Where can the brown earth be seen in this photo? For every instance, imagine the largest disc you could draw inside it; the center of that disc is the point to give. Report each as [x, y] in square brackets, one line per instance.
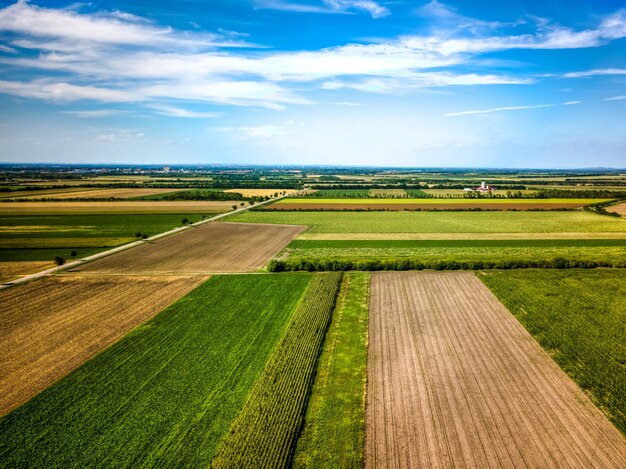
[455, 381]
[94, 193]
[123, 207]
[51, 326]
[12, 270]
[621, 209]
[208, 248]
[424, 206]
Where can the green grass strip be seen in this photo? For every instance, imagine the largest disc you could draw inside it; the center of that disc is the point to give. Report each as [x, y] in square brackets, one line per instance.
[334, 428]
[166, 394]
[408, 243]
[579, 317]
[264, 433]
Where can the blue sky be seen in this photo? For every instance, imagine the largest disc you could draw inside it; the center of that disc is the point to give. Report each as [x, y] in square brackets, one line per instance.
[352, 82]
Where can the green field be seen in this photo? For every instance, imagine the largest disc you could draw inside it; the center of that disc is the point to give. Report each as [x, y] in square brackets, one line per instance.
[388, 199]
[42, 237]
[166, 394]
[265, 432]
[579, 317]
[441, 222]
[336, 193]
[334, 427]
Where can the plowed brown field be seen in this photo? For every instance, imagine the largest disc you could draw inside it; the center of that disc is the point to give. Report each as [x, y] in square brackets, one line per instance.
[455, 381]
[621, 209]
[212, 247]
[51, 326]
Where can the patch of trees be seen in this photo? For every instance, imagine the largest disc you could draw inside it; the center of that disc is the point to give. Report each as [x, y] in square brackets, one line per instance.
[579, 194]
[320, 265]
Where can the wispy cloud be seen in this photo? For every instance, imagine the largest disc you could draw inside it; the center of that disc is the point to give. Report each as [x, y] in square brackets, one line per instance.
[615, 98]
[172, 111]
[65, 92]
[96, 113]
[570, 103]
[347, 103]
[596, 72]
[496, 109]
[326, 6]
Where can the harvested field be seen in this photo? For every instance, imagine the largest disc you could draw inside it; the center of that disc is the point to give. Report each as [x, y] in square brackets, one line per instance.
[427, 206]
[212, 247]
[100, 193]
[12, 270]
[74, 208]
[260, 192]
[456, 236]
[621, 209]
[455, 380]
[51, 326]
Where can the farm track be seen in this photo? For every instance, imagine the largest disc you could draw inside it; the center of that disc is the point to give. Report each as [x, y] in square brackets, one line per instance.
[208, 248]
[455, 380]
[50, 327]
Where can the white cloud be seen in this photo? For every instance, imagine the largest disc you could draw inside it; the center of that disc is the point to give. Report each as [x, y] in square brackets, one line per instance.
[7, 49]
[326, 6]
[64, 92]
[596, 72]
[172, 111]
[120, 136]
[101, 28]
[347, 103]
[95, 113]
[570, 103]
[615, 98]
[496, 109]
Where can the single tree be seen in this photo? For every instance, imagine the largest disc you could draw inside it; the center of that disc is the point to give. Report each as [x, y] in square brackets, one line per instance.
[58, 260]
[185, 221]
[73, 253]
[144, 236]
[234, 207]
[138, 234]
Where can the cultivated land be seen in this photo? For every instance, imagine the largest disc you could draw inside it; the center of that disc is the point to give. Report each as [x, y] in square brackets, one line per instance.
[29, 237]
[334, 427]
[442, 222]
[121, 207]
[12, 270]
[455, 380]
[166, 394]
[621, 209]
[51, 326]
[95, 193]
[579, 317]
[265, 432]
[428, 204]
[260, 192]
[211, 247]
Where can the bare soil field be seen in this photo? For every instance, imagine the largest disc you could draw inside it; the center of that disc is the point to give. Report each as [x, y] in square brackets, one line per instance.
[50, 327]
[99, 193]
[455, 381]
[209, 248]
[621, 209]
[125, 207]
[425, 206]
[12, 270]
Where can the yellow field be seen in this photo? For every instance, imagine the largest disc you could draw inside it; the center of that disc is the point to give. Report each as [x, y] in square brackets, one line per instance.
[260, 192]
[13, 270]
[95, 193]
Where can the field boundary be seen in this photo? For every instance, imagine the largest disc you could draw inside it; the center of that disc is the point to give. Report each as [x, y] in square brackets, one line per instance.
[125, 247]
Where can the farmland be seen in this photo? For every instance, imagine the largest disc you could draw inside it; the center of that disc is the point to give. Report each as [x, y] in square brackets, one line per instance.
[39, 237]
[390, 203]
[260, 192]
[211, 247]
[579, 317]
[442, 222]
[92, 193]
[619, 209]
[50, 327]
[265, 432]
[120, 207]
[480, 395]
[334, 426]
[166, 393]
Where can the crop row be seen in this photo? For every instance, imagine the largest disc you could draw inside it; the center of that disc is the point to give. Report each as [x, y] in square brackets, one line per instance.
[265, 432]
